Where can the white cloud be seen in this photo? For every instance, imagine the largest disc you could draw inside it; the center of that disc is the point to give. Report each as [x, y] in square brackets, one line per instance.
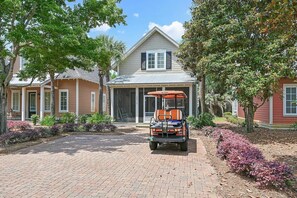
[121, 31]
[102, 28]
[174, 30]
[136, 15]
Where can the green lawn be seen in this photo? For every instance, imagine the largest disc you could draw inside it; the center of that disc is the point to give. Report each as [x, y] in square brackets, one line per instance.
[219, 119]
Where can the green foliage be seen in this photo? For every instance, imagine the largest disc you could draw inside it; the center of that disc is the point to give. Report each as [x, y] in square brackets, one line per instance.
[82, 119]
[225, 40]
[227, 114]
[68, 117]
[51, 36]
[294, 126]
[97, 118]
[48, 121]
[204, 119]
[34, 119]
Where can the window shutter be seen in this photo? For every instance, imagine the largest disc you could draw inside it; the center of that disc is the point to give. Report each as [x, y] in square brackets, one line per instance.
[143, 61]
[168, 60]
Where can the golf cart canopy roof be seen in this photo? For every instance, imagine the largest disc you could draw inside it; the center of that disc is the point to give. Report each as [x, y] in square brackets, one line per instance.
[168, 94]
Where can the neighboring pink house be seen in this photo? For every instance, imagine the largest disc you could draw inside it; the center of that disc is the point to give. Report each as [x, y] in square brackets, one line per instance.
[75, 90]
[280, 110]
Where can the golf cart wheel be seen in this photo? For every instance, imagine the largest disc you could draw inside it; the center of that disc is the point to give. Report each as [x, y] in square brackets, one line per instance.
[184, 146]
[153, 145]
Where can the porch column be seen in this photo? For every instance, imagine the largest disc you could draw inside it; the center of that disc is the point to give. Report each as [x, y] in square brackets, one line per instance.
[271, 110]
[41, 102]
[137, 105]
[77, 98]
[111, 102]
[190, 100]
[23, 103]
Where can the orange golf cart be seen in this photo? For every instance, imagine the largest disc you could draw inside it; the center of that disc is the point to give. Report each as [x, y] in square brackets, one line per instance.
[169, 124]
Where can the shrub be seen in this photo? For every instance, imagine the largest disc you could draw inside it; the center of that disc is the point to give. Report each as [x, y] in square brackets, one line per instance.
[242, 157]
[97, 118]
[18, 137]
[99, 127]
[242, 160]
[110, 127]
[87, 127]
[204, 119]
[70, 127]
[18, 125]
[48, 121]
[68, 118]
[34, 119]
[43, 132]
[82, 119]
[55, 130]
[272, 173]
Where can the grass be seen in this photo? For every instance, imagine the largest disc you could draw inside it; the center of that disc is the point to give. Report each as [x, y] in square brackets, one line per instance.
[219, 119]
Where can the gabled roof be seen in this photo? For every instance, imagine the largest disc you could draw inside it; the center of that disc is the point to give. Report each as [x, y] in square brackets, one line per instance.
[75, 73]
[146, 37]
[78, 73]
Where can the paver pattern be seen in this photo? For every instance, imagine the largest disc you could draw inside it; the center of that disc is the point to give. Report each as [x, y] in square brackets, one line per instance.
[107, 166]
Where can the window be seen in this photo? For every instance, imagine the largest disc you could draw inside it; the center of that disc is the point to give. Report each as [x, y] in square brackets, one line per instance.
[15, 100]
[22, 63]
[47, 101]
[93, 96]
[156, 60]
[104, 103]
[63, 100]
[290, 100]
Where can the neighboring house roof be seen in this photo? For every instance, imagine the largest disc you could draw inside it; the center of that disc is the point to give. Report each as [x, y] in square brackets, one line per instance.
[76, 73]
[143, 39]
[160, 78]
[16, 82]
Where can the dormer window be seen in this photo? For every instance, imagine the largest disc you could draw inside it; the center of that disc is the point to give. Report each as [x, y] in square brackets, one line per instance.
[156, 60]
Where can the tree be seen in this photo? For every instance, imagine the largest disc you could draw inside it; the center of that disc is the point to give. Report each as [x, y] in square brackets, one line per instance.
[247, 59]
[62, 42]
[109, 50]
[24, 23]
[192, 52]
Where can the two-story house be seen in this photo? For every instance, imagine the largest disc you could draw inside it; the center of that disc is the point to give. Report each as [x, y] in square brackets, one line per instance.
[149, 65]
[75, 91]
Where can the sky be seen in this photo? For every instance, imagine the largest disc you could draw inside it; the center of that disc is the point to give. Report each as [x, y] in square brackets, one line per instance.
[143, 15]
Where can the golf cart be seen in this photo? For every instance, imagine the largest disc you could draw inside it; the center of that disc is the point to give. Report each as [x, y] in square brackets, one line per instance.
[169, 124]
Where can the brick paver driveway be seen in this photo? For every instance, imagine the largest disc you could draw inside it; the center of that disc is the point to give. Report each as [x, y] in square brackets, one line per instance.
[107, 166]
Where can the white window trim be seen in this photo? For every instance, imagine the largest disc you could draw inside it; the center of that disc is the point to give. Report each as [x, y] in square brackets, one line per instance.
[60, 91]
[19, 105]
[47, 91]
[93, 93]
[156, 60]
[285, 99]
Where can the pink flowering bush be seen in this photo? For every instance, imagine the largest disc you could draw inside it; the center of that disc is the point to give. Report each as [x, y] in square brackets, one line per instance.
[272, 173]
[242, 157]
[13, 125]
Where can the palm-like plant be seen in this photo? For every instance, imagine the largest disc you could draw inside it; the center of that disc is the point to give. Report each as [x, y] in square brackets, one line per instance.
[109, 50]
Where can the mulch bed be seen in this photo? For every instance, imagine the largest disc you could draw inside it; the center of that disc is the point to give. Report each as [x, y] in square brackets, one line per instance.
[280, 145]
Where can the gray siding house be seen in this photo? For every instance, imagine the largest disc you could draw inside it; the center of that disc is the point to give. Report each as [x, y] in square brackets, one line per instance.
[149, 65]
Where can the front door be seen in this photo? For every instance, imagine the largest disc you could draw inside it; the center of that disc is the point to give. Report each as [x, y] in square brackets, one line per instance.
[32, 104]
[150, 105]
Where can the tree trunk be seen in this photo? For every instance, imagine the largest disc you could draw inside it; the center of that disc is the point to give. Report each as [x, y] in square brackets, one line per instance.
[3, 110]
[202, 94]
[53, 106]
[100, 105]
[249, 117]
[107, 94]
